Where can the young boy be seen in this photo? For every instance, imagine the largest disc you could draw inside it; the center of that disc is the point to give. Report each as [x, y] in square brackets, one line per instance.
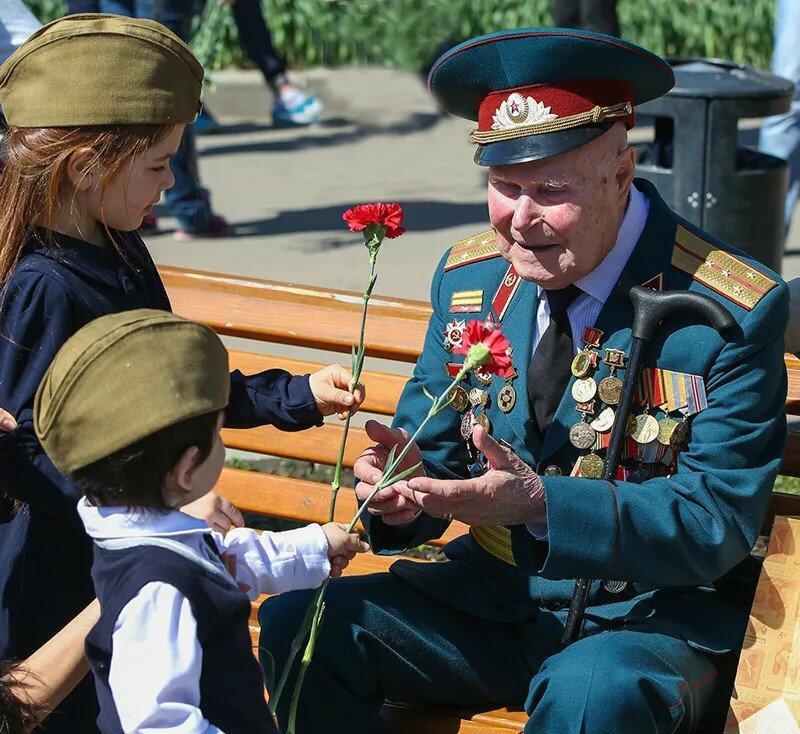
[131, 409]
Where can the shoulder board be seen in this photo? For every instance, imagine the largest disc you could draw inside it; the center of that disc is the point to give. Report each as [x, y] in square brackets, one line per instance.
[719, 270]
[473, 249]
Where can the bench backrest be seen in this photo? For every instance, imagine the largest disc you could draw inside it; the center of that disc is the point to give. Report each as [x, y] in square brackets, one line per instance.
[307, 316]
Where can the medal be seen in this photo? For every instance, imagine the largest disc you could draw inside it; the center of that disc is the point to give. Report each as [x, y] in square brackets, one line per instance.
[459, 400]
[582, 436]
[453, 333]
[581, 364]
[466, 425]
[679, 436]
[604, 421]
[611, 387]
[666, 427]
[630, 426]
[591, 466]
[584, 390]
[610, 390]
[646, 429]
[552, 471]
[482, 421]
[478, 397]
[615, 587]
[483, 377]
[507, 398]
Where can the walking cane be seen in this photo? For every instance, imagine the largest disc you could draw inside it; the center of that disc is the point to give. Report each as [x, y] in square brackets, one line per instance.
[650, 309]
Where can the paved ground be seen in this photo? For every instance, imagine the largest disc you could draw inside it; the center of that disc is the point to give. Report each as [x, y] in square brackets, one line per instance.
[284, 190]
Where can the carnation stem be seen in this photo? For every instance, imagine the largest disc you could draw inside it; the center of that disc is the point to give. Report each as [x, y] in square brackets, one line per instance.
[386, 480]
[358, 363]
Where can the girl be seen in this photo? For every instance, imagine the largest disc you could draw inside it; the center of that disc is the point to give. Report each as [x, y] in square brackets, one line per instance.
[96, 107]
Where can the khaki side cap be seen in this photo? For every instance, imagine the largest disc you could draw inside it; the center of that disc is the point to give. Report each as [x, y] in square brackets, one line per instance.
[123, 377]
[101, 69]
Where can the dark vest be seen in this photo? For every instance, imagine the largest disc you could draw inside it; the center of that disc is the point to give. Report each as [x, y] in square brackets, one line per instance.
[231, 683]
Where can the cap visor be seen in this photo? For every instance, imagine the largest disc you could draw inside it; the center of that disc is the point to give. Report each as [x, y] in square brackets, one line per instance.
[537, 147]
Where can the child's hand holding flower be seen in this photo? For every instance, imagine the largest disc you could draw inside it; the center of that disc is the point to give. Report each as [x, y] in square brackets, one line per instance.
[330, 387]
[342, 546]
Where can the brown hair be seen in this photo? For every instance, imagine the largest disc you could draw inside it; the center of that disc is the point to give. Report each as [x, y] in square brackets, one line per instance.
[34, 180]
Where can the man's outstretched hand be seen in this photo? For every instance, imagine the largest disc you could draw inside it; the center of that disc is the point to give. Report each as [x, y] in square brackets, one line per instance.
[394, 508]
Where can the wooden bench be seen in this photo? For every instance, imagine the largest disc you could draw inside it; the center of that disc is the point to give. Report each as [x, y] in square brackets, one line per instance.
[305, 316]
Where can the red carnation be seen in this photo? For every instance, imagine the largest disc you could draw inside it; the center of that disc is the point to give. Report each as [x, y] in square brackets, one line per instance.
[389, 216]
[485, 348]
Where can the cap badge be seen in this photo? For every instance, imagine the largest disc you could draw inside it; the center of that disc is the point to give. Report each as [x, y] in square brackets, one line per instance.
[518, 110]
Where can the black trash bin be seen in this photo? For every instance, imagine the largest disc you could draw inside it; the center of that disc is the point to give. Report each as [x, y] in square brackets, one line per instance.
[697, 164]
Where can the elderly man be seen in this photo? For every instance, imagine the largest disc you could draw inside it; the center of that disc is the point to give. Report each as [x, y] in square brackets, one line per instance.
[518, 460]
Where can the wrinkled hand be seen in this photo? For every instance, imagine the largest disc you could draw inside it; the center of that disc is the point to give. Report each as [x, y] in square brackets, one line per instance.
[342, 546]
[329, 386]
[7, 421]
[220, 514]
[391, 506]
[509, 493]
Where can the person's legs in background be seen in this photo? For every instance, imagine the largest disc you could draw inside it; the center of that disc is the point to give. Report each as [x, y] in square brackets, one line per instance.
[593, 15]
[780, 136]
[187, 200]
[292, 105]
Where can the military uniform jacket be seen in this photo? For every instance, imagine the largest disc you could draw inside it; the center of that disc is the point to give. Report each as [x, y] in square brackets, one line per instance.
[680, 539]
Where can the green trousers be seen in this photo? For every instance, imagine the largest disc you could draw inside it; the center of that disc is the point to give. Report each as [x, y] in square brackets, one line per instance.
[382, 639]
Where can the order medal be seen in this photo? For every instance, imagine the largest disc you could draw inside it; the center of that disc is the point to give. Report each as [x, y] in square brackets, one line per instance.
[507, 398]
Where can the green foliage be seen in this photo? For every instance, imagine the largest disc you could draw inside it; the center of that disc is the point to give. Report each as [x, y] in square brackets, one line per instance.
[790, 485]
[46, 10]
[407, 33]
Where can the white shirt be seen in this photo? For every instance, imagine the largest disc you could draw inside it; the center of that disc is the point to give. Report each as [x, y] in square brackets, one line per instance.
[596, 287]
[156, 660]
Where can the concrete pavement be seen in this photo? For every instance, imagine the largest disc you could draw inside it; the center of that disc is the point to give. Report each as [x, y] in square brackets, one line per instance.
[284, 190]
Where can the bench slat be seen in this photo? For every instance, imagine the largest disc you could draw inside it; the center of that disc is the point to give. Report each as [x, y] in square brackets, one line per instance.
[300, 315]
[383, 388]
[296, 499]
[320, 445]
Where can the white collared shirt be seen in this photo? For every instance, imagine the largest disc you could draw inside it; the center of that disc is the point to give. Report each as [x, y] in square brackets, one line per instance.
[156, 661]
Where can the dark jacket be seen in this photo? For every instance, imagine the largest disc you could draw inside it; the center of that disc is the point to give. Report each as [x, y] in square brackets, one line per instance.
[45, 556]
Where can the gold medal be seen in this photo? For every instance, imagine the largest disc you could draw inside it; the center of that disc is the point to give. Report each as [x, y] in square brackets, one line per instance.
[591, 466]
[646, 428]
[666, 427]
[584, 390]
[582, 436]
[604, 421]
[459, 400]
[581, 364]
[610, 390]
[482, 421]
[507, 398]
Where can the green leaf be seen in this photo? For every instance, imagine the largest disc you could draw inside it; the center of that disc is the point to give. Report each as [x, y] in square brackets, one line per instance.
[390, 458]
[402, 475]
[428, 395]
